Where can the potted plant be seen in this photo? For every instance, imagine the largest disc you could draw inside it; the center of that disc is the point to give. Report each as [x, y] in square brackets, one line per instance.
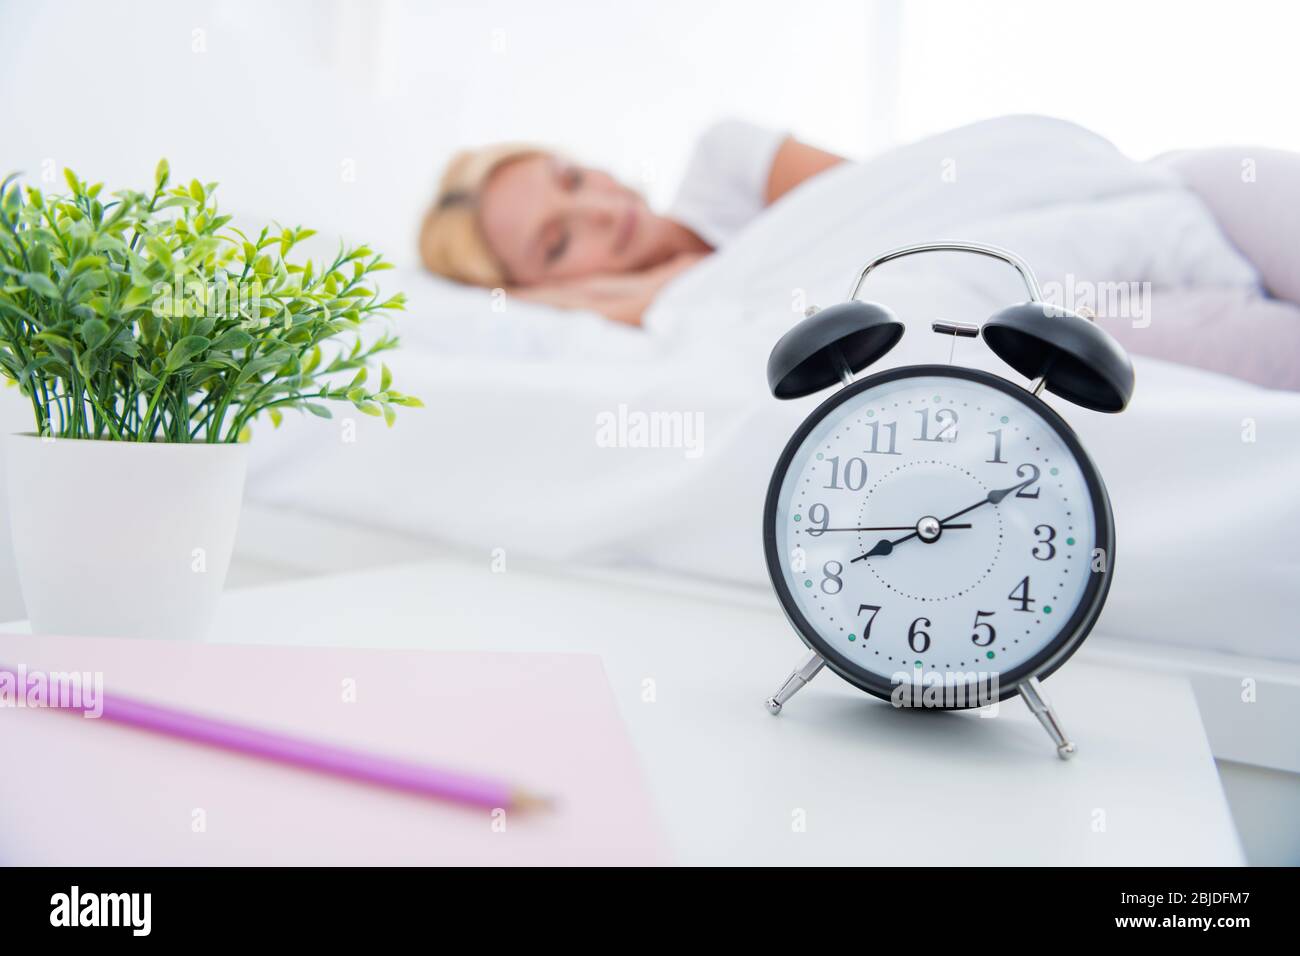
[149, 334]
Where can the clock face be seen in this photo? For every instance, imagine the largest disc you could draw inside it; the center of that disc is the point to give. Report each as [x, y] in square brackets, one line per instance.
[938, 525]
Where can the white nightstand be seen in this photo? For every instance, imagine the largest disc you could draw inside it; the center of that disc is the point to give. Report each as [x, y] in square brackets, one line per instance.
[838, 778]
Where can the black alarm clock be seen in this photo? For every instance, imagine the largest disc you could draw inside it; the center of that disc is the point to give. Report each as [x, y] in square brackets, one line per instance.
[937, 535]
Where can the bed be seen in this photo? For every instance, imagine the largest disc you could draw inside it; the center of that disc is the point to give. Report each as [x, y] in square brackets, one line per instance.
[508, 455]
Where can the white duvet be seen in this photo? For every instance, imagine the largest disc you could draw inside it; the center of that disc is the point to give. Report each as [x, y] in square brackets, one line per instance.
[513, 448]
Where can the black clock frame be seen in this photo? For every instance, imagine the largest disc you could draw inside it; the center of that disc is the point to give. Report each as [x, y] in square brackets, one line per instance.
[1072, 632]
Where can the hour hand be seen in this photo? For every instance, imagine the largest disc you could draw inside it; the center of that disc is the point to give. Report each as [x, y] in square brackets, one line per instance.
[882, 547]
[927, 529]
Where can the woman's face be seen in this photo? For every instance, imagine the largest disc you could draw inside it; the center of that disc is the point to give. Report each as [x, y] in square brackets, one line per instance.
[548, 220]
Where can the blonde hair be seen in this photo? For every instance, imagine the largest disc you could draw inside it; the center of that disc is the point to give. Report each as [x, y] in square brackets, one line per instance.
[452, 242]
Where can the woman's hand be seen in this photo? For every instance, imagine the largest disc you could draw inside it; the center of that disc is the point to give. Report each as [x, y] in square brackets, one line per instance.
[622, 297]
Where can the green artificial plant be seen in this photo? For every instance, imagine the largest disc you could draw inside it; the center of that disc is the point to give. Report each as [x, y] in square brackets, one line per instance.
[149, 317]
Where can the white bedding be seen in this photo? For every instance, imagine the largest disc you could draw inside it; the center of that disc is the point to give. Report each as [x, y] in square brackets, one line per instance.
[506, 455]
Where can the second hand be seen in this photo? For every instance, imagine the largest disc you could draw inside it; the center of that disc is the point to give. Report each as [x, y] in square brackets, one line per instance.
[904, 527]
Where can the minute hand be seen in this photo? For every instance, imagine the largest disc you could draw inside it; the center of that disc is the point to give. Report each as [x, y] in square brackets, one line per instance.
[992, 498]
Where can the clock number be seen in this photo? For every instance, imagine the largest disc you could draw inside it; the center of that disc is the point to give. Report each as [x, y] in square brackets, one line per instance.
[975, 638]
[1020, 594]
[1045, 542]
[997, 458]
[944, 417]
[1021, 472]
[915, 636]
[854, 477]
[875, 427]
[829, 575]
[819, 516]
[874, 609]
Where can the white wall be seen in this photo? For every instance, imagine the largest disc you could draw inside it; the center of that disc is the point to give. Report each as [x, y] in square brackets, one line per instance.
[1152, 75]
[338, 113]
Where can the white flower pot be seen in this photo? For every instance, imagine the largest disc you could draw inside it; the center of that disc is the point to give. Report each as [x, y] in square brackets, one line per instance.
[123, 539]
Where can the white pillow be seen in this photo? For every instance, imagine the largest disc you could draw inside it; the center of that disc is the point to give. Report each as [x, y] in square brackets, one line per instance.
[456, 319]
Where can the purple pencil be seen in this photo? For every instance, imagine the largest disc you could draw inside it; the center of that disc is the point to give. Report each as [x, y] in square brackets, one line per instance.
[311, 755]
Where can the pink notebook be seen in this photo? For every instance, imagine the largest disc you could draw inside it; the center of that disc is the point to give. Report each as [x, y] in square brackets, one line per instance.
[76, 791]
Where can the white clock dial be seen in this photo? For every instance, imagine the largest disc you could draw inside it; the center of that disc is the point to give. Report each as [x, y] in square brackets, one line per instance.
[936, 521]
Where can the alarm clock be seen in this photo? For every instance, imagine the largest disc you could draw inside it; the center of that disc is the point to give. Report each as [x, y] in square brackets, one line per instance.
[937, 535]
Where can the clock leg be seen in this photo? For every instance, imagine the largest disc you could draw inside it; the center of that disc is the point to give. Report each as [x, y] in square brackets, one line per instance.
[1032, 692]
[800, 676]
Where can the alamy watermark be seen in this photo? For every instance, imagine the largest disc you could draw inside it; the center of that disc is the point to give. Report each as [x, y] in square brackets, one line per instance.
[62, 690]
[223, 297]
[632, 428]
[1107, 300]
[947, 690]
[74, 908]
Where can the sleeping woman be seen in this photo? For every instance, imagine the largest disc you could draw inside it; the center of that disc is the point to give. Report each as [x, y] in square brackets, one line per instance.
[556, 232]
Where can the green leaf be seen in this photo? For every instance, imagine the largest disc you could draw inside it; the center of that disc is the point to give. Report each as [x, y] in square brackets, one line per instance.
[71, 178]
[320, 411]
[313, 361]
[390, 416]
[161, 174]
[216, 360]
[85, 363]
[385, 378]
[184, 350]
[370, 408]
[136, 297]
[144, 379]
[94, 332]
[232, 340]
[87, 262]
[150, 327]
[159, 250]
[53, 338]
[196, 190]
[262, 363]
[11, 309]
[40, 284]
[51, 362]
[276, 417]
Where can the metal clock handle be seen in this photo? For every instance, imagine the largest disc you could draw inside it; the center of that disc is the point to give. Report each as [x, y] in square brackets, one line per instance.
[977, 248]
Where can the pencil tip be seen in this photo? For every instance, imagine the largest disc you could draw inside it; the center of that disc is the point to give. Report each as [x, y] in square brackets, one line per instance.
[523, 800]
